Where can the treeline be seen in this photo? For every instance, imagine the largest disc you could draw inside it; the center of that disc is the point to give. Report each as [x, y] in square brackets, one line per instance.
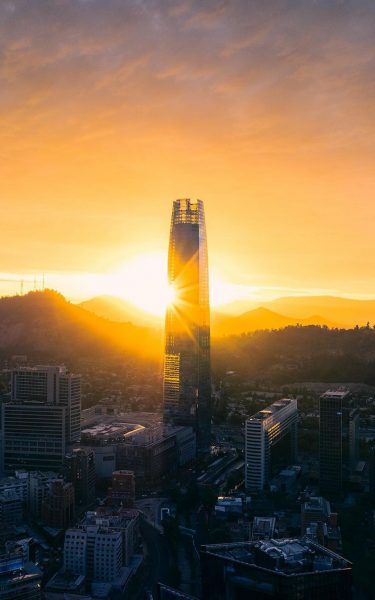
[297, 353]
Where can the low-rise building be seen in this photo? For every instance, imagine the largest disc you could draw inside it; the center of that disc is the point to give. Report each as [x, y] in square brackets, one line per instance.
[285, 569]
[19, 579]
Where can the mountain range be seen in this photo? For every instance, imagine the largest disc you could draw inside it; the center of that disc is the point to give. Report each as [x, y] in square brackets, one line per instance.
[329, 311]
[46, 325]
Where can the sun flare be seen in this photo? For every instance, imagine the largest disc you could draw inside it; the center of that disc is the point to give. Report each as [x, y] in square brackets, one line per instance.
[143, 281]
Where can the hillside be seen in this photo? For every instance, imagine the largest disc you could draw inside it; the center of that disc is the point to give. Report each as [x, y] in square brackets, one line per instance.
[292, 354]
[47, 325]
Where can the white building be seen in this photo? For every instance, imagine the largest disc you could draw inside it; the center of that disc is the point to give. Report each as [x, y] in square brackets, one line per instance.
[94, 551]
[263, 431]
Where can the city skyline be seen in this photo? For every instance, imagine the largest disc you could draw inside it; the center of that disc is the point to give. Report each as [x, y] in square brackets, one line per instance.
[254, 107]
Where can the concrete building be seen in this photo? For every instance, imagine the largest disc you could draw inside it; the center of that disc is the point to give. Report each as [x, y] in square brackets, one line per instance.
[273, 426]
[285, 569]
[42, 419]
[124, 520]
[94, 551]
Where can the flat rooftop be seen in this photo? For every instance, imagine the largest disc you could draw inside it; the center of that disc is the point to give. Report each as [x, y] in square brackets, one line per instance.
[272, 409]
[317, 504]
[286, 556]
[336, 394]
[109, 430]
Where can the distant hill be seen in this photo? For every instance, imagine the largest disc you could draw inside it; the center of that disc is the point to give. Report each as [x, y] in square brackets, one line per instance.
[349, 312]
[260, 318]
[46, 324]
[117, 309]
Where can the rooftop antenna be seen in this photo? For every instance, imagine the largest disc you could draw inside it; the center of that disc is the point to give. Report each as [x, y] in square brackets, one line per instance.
[21, 285]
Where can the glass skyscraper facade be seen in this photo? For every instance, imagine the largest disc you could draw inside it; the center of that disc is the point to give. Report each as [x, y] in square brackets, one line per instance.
[187, 380]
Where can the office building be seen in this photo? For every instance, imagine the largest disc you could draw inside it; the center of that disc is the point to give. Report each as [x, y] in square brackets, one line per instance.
[148, 457]
[122, 519]
[330, 441]
[285, 569]
[19, 579]
[270, 439]
[79, 469]
[42, 420]
[187, 381]
[39, 485]
[263, 528]
[102, 546]
[122, 490]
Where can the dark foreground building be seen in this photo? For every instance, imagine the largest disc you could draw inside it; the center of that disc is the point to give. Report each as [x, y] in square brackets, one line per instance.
[187, 384]
[286, 569]
[331, 405]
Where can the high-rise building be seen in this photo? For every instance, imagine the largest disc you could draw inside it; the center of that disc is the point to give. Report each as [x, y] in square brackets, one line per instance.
[42, 419]
[273, 426]
[330, 441]
[187, 382]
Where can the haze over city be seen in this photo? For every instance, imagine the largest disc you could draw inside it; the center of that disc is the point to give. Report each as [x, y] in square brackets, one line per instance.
[265, 110]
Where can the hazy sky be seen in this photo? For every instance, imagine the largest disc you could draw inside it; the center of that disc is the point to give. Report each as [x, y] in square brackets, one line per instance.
[265, 109]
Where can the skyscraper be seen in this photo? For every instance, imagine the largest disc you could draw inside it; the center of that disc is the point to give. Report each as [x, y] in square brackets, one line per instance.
[187, 382]
[330, 441]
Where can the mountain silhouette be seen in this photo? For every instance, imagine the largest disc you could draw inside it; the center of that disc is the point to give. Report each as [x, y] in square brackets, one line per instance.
[46, 324]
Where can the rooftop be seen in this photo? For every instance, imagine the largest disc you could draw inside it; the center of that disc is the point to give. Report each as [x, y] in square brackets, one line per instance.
[340, 393]
[317, 504]
[273, 409]
[286, 556]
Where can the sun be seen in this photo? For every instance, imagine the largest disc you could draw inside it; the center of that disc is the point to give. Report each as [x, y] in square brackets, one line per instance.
[143, 281]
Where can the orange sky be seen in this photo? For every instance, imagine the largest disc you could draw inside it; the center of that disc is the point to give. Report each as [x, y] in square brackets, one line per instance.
[265, 110]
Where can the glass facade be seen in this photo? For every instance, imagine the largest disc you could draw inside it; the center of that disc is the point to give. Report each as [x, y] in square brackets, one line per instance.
[187, 382]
